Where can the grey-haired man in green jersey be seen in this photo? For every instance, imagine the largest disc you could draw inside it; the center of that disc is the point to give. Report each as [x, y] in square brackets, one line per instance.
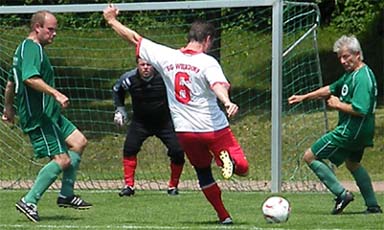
[39, 107]
[354, 96]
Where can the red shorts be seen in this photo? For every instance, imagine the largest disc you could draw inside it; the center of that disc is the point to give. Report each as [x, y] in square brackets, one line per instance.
[200, 148]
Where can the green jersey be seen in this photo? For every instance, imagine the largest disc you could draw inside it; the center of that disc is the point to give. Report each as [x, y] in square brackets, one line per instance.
[359, 89]
[33, 107]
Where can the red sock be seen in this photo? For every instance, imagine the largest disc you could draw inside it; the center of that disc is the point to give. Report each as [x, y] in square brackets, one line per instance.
[175, 175]
[213, 195]
[129, 164]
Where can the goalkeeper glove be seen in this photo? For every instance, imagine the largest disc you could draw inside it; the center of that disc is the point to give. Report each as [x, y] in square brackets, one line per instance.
[121, 116]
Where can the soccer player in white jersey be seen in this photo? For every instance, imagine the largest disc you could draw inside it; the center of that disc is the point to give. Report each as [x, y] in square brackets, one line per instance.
[194, 82]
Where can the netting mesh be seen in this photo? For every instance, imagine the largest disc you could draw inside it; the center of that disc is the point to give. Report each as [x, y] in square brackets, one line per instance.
[88, 57]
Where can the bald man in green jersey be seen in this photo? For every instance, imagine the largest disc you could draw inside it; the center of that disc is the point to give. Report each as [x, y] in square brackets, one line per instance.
[39, 107]
[354, 96]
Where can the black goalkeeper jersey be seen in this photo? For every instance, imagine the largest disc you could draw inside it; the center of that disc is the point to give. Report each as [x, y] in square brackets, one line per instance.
[149, 99]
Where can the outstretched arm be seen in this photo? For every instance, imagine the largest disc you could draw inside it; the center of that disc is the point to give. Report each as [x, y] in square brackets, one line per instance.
[110, 15]
[321, 93]
[325, 93]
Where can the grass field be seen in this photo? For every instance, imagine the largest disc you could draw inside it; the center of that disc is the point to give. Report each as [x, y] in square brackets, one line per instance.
[189, 210]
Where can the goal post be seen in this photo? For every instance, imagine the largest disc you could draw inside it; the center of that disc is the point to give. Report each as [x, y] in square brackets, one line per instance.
[277, 51]
[268, 50]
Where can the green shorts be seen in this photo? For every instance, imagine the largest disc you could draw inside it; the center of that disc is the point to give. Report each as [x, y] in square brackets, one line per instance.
[324, 148]
[49, 139]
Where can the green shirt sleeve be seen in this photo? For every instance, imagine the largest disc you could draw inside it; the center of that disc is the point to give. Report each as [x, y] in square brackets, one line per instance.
[32, 57]
[361, 100]
[336, 86]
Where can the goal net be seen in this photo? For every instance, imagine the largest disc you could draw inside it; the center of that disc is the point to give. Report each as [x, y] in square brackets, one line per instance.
[88, 57]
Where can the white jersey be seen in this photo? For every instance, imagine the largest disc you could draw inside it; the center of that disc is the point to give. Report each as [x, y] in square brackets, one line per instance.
[188, 77]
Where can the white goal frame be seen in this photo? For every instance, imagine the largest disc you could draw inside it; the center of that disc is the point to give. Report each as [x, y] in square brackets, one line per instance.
[277, 51]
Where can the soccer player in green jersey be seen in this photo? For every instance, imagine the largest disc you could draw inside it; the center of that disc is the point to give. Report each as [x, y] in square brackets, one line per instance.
[354, 96]
[39, 105]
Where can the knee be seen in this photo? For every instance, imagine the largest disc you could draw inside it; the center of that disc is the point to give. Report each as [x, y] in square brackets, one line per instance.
[82, 144]
[130, 152]
[77, 143]
[241, 167]
[177, 158]
[204, 176]
[66, 163]
[309, 156]
[352, 166]
[63, 160]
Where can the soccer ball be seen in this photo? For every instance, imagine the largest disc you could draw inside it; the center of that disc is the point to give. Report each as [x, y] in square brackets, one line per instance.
[276, 209]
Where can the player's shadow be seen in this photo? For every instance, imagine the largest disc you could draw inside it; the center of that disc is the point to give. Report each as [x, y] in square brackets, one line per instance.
[59, 217]
[354, 213]
[216, 223]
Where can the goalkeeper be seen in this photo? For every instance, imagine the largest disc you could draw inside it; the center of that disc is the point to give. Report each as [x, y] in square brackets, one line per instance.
[151, 117]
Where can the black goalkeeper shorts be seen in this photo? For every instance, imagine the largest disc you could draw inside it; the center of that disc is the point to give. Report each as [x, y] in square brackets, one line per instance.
[137, 133]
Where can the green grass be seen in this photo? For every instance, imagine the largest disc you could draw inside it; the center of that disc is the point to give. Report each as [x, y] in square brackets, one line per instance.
[102, 158]
[190, 210]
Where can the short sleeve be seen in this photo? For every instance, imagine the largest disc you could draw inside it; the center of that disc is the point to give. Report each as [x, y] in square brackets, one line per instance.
[214, 73]
[361, 100]
[32, 55]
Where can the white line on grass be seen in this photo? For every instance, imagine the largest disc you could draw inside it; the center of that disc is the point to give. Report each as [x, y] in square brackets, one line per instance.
[37, 226]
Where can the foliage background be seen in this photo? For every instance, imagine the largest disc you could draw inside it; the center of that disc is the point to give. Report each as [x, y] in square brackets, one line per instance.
[364, 18]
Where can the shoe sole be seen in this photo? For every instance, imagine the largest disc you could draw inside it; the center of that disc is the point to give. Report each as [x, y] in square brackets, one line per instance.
[227, 221]
[31, 218]
[74, 207]
[227, 167]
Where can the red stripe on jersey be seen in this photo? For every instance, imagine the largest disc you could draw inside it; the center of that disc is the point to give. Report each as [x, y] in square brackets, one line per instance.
[189, 51]
[225, 84]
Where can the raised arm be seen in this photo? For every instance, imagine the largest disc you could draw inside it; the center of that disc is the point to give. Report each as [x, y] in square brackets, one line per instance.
[110, 15]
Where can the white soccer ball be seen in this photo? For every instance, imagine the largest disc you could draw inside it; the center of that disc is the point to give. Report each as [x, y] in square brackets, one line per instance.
[276, 209]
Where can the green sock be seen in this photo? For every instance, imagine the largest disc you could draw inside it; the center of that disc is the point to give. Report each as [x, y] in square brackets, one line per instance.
[364, 183]
[47, 175]
[69, 175]
[326, 175]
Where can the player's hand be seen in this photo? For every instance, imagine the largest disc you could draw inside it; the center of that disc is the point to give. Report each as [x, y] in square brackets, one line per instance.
[62, 99]
[295, 99]
[231, 109]
[121, 116]
[333, 102]
[110, 12]
[8, 115]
